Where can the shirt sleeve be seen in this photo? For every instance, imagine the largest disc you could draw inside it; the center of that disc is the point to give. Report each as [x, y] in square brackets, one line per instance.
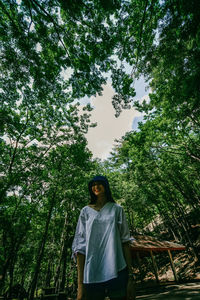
[79, 242]
[123, 227]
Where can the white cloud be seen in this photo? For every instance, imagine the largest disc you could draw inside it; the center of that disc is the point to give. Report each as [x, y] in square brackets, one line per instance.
[145, 98]
[101, 138]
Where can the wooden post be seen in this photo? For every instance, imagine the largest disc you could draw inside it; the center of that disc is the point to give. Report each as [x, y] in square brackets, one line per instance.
[172, 265]
[140, 265]
[154, 266]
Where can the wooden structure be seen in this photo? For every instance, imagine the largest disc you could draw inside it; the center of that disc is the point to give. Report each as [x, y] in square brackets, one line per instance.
[148, 246]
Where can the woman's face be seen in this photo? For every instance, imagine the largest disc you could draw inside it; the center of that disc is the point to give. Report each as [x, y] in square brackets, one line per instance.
[98, 188]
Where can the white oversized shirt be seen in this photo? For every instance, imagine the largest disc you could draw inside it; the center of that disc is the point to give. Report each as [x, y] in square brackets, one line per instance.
[99, 236]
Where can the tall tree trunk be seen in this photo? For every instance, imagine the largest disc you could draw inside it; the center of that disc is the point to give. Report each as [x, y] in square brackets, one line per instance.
[4, 271]
[11, 273]
[41, 251]
[11, 259]
[187, 233]
[64, 267]
[62, 260]
[48, 273]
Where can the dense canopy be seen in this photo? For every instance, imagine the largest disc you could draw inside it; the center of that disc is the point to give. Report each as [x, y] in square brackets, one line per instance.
[53, 54]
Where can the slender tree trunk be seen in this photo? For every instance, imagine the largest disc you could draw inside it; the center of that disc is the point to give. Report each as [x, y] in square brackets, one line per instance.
[63, 279]
[4, 271]
[62, 261]
[11, 259]
[11, 272]
[187, 227]
[48, 274]
[185, 194]
[41, 251]
[187, 233]
[174, 235]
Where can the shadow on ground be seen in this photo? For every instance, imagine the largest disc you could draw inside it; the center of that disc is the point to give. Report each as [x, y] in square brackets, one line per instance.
[188, 291]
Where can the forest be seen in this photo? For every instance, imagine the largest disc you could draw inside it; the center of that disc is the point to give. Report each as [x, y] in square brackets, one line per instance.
[53, 54]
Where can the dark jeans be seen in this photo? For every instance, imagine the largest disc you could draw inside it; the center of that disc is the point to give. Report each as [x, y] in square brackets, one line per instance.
[114, 288]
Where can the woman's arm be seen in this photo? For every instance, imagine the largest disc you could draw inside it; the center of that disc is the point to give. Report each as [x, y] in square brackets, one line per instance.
[80, 269]
[127, 256]
[131, 278]
[80, 266]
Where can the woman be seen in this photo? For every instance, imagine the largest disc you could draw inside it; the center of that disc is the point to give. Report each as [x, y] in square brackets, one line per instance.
[101, 245]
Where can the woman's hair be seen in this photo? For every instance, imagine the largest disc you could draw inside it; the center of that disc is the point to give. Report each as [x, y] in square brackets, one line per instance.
[106, 185]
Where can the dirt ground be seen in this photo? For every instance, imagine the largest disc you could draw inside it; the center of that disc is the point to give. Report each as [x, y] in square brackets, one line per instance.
[188, 291]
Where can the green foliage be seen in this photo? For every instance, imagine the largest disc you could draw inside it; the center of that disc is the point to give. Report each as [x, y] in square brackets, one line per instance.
[53, 53]
[160, 161]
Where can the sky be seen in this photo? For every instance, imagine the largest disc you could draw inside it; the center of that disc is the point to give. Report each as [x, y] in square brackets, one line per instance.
[101, 139]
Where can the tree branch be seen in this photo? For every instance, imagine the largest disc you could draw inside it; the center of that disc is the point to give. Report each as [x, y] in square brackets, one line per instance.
[140, 35]
[16, 145]
[35, 4]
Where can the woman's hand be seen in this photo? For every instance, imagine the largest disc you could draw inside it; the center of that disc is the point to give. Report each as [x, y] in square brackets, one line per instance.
[131, 289]
[81, 292]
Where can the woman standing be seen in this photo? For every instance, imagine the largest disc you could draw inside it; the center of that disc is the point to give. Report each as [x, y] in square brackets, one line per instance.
[101, 245]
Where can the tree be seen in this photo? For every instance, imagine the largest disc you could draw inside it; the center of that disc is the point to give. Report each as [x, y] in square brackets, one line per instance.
[53, 54]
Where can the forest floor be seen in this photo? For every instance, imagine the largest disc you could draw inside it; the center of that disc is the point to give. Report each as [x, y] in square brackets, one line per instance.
[187, 269]
[189, 287]
[186, 291]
